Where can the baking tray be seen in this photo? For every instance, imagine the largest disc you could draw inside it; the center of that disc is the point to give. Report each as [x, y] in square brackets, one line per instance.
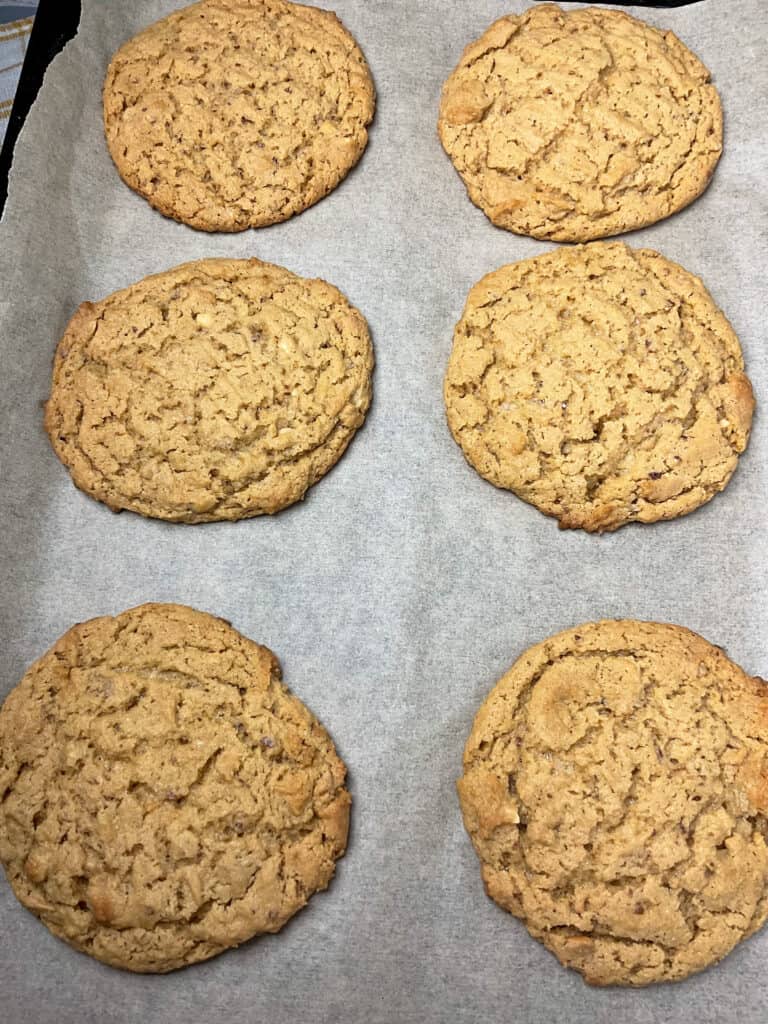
[404, 585]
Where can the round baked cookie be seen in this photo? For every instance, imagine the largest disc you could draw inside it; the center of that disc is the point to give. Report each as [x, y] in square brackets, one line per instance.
[599, 383]
[580, 124]
[217, 390]
[615, 789]
[231, 114]
[163, 796]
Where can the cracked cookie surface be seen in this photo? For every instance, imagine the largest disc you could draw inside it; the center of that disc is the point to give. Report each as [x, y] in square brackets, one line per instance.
[231, 114]
[163, 796]
[220, 389]
[599, 383]
[576, 125]
[615, 789]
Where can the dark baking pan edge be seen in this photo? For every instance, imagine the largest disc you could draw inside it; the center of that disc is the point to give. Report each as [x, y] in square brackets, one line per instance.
[55, 24]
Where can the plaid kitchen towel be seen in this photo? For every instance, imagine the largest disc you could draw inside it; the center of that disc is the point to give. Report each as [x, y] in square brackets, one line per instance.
[14, 36]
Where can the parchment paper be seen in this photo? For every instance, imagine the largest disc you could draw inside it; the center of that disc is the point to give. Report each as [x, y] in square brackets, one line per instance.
[404, 585]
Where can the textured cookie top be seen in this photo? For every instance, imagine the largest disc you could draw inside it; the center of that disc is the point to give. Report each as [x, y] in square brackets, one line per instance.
[616, 791]
[217, 390]
[578, 125]
[162, 795]
[232, 114]
[599, 383]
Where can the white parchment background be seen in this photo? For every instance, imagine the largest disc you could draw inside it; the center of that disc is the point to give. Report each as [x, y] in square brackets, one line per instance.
[404, 585]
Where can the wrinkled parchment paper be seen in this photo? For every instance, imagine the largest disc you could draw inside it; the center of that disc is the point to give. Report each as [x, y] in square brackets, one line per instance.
[404, 585]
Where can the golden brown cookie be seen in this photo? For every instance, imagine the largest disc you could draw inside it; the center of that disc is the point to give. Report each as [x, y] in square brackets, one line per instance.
[580, 124]
[163, 796]
[615, 789]
[231, 114]
[220, 389]
[599, 383]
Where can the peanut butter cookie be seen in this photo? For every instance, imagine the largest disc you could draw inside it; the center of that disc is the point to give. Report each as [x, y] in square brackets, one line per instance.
[231, 114]
[220, 389]
[581, 124]
[163, 796]
[601, 384]
[615, 789]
